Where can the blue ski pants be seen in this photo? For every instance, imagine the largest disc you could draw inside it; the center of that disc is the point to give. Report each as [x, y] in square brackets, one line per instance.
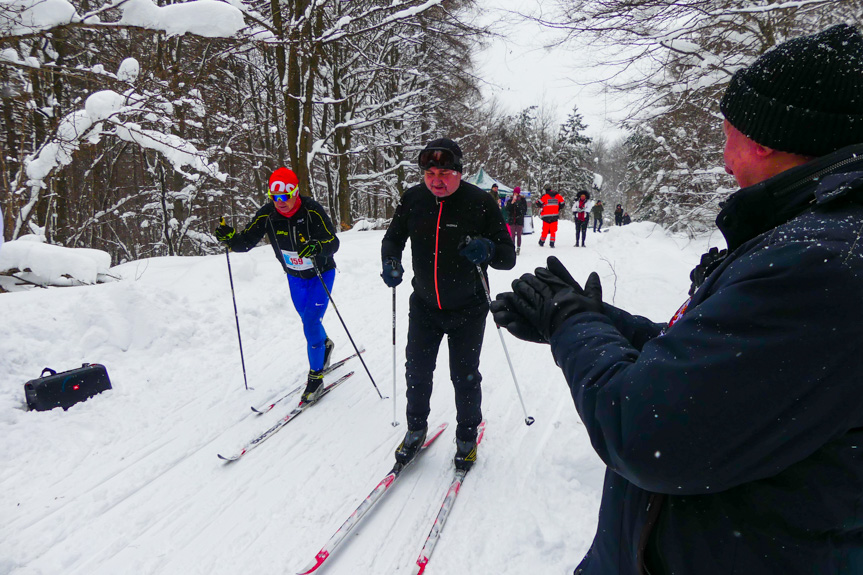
[310, 300]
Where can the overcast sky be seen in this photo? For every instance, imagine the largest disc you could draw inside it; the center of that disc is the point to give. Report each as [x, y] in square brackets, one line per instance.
[520, 71]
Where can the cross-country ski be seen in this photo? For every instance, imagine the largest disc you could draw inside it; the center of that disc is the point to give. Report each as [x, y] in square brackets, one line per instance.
[443, 514]
[266, 408]
[377, 493]
[303, 406]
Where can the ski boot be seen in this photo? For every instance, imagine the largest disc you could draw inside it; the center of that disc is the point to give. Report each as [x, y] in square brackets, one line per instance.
[551, 244]
[314, 387]
[541, 243]
[410, 445]
[465, 454]
[328, 353]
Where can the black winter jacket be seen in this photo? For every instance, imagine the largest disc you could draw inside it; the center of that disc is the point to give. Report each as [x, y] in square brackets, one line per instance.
[437, 229]
[289, 235]
[517, 210]
[734, 437]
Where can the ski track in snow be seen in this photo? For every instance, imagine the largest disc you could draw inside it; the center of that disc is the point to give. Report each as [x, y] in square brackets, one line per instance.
[129, 482]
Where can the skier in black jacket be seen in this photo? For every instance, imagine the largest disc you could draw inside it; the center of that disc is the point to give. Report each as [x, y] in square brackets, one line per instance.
[732, 434]
[454, 227]
[304, 241]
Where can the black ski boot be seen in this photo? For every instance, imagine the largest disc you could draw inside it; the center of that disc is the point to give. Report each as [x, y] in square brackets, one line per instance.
[465, 454]
[541, 242]
[314, 387]
[551, 244]
[410, 445]
[328, 352]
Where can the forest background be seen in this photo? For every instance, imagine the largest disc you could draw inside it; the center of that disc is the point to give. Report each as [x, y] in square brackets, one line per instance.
[133, 126]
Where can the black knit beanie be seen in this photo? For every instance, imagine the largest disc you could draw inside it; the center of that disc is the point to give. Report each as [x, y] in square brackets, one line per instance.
[449, 146]
[805, 96]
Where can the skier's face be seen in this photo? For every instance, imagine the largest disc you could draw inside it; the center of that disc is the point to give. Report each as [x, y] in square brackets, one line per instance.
[442, 183]
[287, 205]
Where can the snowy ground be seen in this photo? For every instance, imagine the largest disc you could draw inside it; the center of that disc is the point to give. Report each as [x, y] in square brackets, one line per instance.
[129, 482]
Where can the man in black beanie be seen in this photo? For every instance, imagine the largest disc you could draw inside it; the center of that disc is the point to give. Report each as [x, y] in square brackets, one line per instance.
[456, 231]
[733, 433]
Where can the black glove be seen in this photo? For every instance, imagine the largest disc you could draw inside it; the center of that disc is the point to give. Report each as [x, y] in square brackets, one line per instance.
[478, 250]
[393, 272]
[505, 315]
[709, 262]
[310, 249]
[224, 232]
[557, 276]
[545, 310]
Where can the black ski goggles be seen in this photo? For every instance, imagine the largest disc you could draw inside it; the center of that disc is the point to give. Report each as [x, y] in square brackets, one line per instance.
[438, 158]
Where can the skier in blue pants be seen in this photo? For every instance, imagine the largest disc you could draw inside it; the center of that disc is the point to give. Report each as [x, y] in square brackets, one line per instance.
[304, 241]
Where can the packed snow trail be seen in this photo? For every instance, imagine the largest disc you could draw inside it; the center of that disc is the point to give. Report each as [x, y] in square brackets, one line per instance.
[128, 481]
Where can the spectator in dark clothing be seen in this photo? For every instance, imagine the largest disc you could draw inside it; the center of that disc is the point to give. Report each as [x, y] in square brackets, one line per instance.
[495, 194]
[732, 434]
[626, 219]
[517, 208]
[618, 215]
[581, 215]
[596, 212]
[456, 231]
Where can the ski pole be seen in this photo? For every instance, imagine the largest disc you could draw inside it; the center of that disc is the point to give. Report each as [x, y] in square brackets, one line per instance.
[395, 421]
[236, 316]
[528, 420]
[359, 355]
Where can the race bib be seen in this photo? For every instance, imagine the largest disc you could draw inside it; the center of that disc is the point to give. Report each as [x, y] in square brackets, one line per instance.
[295, 262]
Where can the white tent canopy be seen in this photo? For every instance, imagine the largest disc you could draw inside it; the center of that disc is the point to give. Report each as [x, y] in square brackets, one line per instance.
[484, 181]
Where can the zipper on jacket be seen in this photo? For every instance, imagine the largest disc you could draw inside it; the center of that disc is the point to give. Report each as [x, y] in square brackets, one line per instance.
[654, 506]
[436, 240]
[822, 172]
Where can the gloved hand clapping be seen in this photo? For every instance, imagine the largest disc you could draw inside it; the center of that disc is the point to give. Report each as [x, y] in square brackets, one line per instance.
[478, 250]
[392, 272]
[505, 314]
[310, 249]
[539, 304]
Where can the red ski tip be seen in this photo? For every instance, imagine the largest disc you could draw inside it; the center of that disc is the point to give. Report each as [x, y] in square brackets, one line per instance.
[319, 560]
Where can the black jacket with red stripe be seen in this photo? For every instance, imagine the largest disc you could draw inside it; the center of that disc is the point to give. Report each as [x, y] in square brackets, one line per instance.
[437, 228]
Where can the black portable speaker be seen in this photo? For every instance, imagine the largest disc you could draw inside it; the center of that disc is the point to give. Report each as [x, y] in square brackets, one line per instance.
[67, 388]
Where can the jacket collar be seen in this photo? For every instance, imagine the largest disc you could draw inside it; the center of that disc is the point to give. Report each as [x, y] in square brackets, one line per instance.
[752, 211]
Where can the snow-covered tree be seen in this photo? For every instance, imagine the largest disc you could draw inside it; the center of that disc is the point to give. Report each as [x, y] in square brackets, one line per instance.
[679, 55]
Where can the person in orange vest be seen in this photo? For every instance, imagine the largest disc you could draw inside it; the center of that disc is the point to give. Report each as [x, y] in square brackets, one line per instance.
[550, 205]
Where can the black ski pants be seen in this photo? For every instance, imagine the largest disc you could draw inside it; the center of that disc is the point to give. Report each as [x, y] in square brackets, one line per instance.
[464, 329]
[581, 229]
